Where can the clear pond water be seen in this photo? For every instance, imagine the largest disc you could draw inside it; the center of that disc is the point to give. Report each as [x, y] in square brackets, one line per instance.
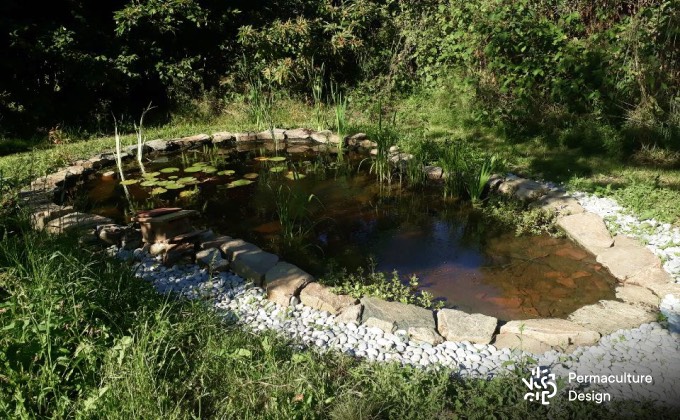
[342, 217]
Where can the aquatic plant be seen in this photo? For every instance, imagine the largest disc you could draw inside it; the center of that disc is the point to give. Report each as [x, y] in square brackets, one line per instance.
[293, 212]
[384, 137]
[316, 76]
[376, 283]
[340, 108]
[140, 136]
[479, 176]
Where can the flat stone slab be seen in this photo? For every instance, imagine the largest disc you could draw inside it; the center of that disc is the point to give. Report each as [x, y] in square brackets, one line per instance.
[588, 230]
[521, 343]
[320, 297]
[283, 281]
[382, 324]
[404, 316]
[253, 264]
[637, 295]
[243, 137]
[559, 202]
[233, 247]
[552, 331]
[457, 326]
[627, 258]
[651, 278]
[76, 221]
[608, 316]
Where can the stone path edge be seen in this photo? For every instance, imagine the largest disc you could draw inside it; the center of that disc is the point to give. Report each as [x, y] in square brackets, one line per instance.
[641, 287]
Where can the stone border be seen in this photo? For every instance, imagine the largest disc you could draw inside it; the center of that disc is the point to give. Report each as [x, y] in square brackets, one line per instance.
[643, 282]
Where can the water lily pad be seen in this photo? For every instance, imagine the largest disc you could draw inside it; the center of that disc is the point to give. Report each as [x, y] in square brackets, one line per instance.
[129, 182]
[174, 186]
[227, 172]
[209, 169]
[188, 193]
[239, 183]
[173, 177]
[150, 174]
[150, 183]
[252, 175]
[193, 169]
[169, 170]
[276, 159]
[295, 175]
[186, 179]
[277, 169]
[261, 158]
[158, 190]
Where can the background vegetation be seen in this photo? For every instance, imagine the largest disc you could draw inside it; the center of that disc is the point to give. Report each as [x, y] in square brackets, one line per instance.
[600, 75]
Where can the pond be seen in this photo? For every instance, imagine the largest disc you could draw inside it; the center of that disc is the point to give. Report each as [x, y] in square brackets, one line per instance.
[316, 210]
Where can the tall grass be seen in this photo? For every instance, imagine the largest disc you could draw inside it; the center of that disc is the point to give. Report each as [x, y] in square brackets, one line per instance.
[316, 77]
[140, 137]
[293, 210]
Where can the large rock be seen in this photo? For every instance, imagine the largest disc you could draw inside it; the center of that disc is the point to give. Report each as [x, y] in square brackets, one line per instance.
[521, 343]
[284, 281]
[267, 135]
[223, 138]
[245, 137]
[216, 242]
[42, 214]
[253, 264]
[552, 331]
[382, 324]
[321, 136]
[651, 278]
[298, 135]
[160, 145]
[588, 230]
[212, 259]
[425, 334]
[608, 316]
[404, 316]
[192, 141]
[76, 221]
[321, 297]
[522, 188]
[627, 258]
[559, 202]
[434, 173]
[350, 314]
[457, 325]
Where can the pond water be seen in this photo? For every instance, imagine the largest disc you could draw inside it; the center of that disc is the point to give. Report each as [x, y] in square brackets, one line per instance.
[341, 216]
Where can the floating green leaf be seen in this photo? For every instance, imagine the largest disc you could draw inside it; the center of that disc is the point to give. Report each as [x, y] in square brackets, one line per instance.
[129, 182]
[150, 174]
[169, 170]
[188, 193]
[295, 175]
[173, 177]
[150, 183]
[227, 172]
[158, 190]
[252, 175]
[186, 180]
[239, 183]
[276, 159]
[209, 169]
[174, 186]
[277, 169]
[193, 169]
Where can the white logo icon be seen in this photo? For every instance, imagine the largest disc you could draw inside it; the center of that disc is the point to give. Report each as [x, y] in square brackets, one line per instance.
[541, 386]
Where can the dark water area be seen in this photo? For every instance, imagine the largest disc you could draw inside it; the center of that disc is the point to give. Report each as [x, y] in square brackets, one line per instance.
[349, 220]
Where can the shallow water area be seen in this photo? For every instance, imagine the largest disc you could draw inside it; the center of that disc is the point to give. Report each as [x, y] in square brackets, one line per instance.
[315, 210]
